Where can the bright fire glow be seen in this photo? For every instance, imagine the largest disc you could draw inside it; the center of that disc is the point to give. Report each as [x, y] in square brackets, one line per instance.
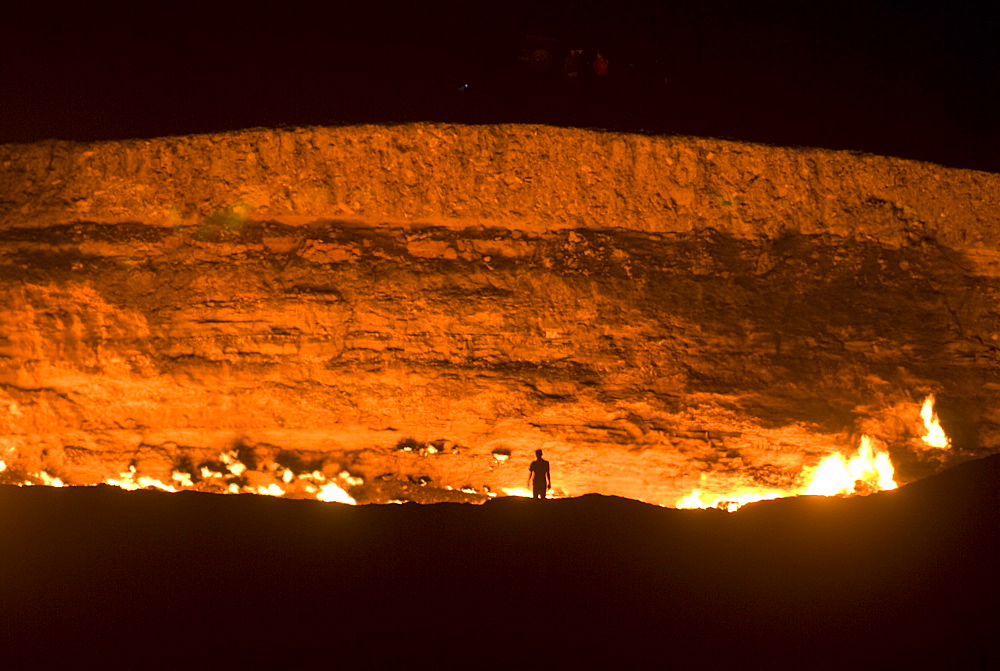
[333, 493]
[868, 470]
[233, 464]
[351, 480]
[935, 436]
[304, 485]
[730, 501]
[182, 479]
[522, 492]
[129, 481]
[207, 473]
[47, 480]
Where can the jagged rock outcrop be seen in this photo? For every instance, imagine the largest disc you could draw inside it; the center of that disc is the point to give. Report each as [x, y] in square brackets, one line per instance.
[419, 307]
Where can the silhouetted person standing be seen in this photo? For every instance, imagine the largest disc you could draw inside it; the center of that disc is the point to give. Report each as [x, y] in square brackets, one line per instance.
[539, 477]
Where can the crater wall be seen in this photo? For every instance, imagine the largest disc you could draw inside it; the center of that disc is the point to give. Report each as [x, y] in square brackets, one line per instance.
[420, 307]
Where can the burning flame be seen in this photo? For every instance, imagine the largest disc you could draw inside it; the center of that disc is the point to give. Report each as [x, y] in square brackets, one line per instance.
[182, 479]
[233, 481]
[868, 470]
[207, 473]
[865, 472]
[129, 481]
[48, 480]
[331, 492]
[233, 464]
[729, 502]
[935, 436]
[552, 493]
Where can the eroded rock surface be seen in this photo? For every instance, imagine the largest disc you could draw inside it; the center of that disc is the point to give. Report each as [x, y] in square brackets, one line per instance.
[413, 310]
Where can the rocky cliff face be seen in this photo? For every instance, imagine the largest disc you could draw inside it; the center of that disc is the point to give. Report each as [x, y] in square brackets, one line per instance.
[409, 312]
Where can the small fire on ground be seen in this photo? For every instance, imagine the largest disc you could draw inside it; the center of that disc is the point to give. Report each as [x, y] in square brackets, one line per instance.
[865, 471]
[230, 479]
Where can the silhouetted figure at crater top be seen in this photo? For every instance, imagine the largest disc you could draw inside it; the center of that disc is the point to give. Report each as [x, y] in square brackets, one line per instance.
[539, 477]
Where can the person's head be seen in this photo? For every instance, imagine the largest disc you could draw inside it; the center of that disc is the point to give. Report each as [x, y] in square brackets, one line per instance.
[538, 454]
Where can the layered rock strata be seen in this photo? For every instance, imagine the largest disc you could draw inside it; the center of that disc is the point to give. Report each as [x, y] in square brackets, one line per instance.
[411, 311]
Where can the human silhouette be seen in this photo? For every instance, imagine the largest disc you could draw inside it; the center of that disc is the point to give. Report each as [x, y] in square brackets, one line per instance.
[539, 477]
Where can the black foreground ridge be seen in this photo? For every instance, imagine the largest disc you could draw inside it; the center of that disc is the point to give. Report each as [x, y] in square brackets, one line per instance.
[149, 579]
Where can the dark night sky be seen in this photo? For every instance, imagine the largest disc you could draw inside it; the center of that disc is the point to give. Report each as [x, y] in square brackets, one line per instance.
[914, 79]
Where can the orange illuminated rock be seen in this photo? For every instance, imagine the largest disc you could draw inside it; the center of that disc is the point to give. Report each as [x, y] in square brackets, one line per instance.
[380, 311]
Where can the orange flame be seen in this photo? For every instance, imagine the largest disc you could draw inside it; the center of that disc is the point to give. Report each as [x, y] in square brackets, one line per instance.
[731, 501]
[935, 436]
[48, 480]
[868, 470]
[129, 481]
[314, 484]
